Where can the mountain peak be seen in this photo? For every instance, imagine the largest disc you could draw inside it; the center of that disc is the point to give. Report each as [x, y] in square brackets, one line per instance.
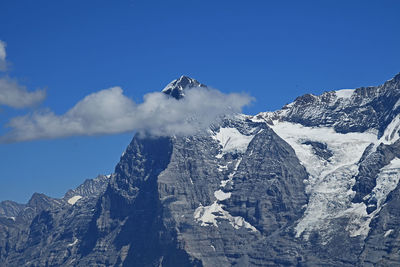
[37, 198]
[396, 77]
[176, 87]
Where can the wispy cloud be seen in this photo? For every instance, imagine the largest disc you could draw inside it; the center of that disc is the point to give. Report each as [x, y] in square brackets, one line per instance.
[13, 94]
[109, 111]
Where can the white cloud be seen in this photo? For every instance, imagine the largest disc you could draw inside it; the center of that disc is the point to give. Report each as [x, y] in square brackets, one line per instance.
[3, 62]
[15, 95]
[109, 112]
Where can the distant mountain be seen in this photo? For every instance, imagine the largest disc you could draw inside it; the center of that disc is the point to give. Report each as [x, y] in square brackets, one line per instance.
[313, 184]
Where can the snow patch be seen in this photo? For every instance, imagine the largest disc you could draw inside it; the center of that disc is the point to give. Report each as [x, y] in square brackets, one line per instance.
[231, 141]
[347, 148]
[344, 93]
[230, 176]
[73, 243]
[396, 105]
[221, 195]
[208, 215]
[387, 181]
[359, 219]
[391, 133]
[74, 199]
[388, 232]
[222, 167]
[224, 183]
[329, 185]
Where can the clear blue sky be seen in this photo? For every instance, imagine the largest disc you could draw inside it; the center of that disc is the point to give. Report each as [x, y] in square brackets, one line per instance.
[273, 50]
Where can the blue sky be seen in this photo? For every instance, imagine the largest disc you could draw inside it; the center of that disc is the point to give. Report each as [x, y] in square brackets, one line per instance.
[272, 50]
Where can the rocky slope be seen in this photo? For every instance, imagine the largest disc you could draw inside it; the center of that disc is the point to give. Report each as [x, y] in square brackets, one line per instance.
[313, 184]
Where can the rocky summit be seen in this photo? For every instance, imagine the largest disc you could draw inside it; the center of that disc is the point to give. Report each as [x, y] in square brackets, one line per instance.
[313, 184]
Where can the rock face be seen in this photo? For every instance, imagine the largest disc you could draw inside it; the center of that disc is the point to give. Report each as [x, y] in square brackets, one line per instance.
[91, 188]
[10, 208]
[313, 184]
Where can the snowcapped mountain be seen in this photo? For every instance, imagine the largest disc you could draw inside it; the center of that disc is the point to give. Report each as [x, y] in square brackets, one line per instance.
[312, 184]
[176, 88]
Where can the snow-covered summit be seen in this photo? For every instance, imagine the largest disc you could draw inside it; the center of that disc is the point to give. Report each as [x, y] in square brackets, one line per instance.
[359, 110]
[176, 87]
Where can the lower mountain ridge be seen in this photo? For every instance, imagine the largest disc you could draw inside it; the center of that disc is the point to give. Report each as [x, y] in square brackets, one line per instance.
[313, 184]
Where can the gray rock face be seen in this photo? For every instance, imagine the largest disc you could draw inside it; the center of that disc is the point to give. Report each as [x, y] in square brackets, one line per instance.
[89, 188]
[369, 169]
[10, 208]
[268, 189]
[382, 247]
[320, 149]
[309, 185]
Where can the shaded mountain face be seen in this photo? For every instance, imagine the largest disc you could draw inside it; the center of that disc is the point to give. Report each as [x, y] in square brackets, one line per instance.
[312, 184]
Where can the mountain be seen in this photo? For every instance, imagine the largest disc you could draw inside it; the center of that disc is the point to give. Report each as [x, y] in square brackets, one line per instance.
[312, 184]
[177, 87]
